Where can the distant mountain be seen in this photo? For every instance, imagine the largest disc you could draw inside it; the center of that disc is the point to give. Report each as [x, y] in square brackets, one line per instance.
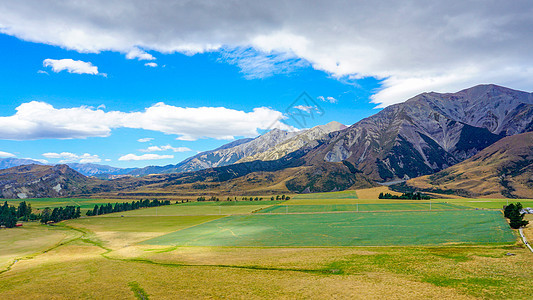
[96, 169]
[306, 138]
[502, 169]
[37, 181]
[222, 156]
[429, 132]
[6, 163]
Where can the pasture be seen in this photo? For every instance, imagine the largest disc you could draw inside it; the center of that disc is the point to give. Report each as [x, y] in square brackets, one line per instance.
[346, 229]
[452, 251]
[84, 203]
[405, 205]
[200, 208]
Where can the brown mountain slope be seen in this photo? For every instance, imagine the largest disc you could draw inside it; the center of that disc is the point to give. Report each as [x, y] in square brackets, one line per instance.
[35, 181]
[429, 132]
[502, 169]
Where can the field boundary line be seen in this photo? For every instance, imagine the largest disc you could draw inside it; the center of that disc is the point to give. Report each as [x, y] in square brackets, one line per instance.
[524, 239]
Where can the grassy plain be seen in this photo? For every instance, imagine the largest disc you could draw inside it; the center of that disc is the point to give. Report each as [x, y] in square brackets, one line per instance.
[346, 229]
[489, 203]
[363, 207]
[21, 242]
[109, 257]
[84, 203]
[200, 208]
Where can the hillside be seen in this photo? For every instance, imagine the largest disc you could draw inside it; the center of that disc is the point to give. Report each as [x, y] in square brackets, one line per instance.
[306, 138]
[37, 181]
[502, 169]
[429, 132]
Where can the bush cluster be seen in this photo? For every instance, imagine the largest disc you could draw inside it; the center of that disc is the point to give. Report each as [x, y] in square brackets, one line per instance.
[513, 213]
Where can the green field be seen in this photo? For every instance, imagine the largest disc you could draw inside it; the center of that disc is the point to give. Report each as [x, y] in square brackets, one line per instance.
[364, 207]
[490, 203]
[318, 250]
[83, 203]
[200, 208]
[347, 229]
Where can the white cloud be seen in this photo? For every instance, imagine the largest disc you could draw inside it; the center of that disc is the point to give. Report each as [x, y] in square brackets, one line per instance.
[128, 157]
[43, 161]
[165, 148]
[327, 99]
[137, 53]
[6, 154]
[144, 140]
[67, 157]
[151, 64]
[42, 72]
[412, 46]
[305, 108]
[71, 66]
[40, 120]
[257, 64]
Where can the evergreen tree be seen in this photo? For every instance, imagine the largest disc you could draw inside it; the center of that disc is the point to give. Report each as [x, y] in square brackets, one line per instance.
[45, 215]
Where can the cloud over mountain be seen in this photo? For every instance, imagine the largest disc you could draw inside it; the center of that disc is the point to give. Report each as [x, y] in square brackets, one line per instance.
[40, 120]
[412, 46]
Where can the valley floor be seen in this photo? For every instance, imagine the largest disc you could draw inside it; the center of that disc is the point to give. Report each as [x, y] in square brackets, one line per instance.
[170, 254]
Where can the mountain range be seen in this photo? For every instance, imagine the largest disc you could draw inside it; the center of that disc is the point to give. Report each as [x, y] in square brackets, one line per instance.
[430, 132]
[436, 134]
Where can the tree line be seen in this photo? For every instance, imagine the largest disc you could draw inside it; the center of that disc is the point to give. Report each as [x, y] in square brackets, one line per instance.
[405, 196]
[244, 198]
[125, 206]
[59, 214]
[513, 213]
[9, 214]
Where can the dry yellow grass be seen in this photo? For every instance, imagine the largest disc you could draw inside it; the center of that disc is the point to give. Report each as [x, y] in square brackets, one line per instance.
[373, 193]
[32, 238]
[79, 271]
[528, 231]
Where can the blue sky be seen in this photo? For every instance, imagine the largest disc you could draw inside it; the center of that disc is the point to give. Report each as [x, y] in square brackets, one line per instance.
[179, 80]
[83, 81]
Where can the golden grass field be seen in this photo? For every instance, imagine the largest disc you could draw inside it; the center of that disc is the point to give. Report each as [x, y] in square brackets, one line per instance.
[102, 258]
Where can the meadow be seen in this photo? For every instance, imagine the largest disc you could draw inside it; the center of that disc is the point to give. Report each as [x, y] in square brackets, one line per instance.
[223, 250]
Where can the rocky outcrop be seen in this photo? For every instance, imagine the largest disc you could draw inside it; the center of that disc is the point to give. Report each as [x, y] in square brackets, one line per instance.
[306, 138]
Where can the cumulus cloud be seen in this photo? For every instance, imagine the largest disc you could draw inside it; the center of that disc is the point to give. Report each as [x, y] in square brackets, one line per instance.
[137, 53]
[165, 148]
[40, 120]
[412, 47]
[6, 154]
[144, 140]
[71, 66]
[68, 157]
[130, 156]
[151, 64]
[306, 108]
